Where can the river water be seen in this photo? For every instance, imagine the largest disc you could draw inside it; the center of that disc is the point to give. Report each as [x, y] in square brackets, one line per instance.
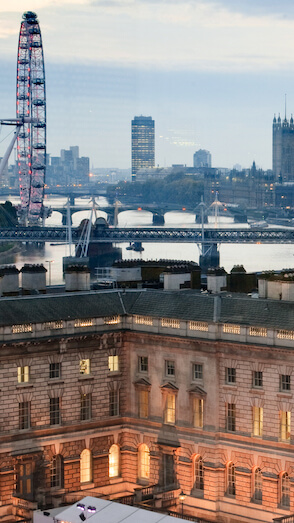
[254, 257]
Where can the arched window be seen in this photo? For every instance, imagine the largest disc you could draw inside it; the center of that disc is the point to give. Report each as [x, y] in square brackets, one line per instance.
[86, 466]
[285, 490]
[143, 462]
[198, 473]
[56, 472]
[257, 485]
[114, 461]
[231, 479]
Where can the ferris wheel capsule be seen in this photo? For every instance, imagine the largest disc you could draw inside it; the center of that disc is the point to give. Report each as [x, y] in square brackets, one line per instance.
[31, 109]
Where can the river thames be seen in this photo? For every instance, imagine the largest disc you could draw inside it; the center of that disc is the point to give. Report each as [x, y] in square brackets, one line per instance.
[254, 257]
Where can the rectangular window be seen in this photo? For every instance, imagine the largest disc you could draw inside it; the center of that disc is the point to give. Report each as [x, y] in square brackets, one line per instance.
[51, 325]
[113, 364]
[26, 327]
[111, 320]
[170, 369]
[25, 479]
[198, 413]
[285, 425]
[54, 370]
[85, 366]
[86, 406]
[143, 320]
[257, 379]
[143, 403]
[285, 335]
[23, 374]
[231, 417]
[257, 421]
[24, 415]
[84, 323]
[230, 375]
[231, 329]
[168, 322]
[170, 409]
[143, 364]
[197, 371]
[113, 403]
[258, 331]
[285, 382]
[54, 411]
[198, 326]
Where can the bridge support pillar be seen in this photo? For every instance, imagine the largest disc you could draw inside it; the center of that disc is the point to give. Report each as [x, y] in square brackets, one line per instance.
[71, 199]
[158, 219]
[209, 257]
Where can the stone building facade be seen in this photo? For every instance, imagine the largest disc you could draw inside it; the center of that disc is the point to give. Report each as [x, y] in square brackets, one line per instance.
[147, 394]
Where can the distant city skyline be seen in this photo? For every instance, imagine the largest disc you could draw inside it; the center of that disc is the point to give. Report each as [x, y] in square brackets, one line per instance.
[211, 73]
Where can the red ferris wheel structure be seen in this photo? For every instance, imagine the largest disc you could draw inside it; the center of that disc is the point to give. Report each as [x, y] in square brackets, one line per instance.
[30, 121]
[31, 111]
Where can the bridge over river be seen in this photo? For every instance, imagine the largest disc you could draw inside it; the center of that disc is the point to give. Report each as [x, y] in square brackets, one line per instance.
[150, 234]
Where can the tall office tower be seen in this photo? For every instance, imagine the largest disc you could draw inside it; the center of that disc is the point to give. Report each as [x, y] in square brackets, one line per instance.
[202, 158]
[143, 150]
[283, 149]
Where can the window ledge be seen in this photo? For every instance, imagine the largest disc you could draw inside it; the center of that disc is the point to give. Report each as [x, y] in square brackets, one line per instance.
[118, 479]
[285, 394]
[114, 373]
[85, 377]
[256, 390]
[55, 381]
[229, 386]
[87, 485]
[24, 385]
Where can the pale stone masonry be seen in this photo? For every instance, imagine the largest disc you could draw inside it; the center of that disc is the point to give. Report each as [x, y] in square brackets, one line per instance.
[110, 392]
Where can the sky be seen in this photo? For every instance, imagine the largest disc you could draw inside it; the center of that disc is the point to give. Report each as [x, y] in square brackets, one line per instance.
[211, 73]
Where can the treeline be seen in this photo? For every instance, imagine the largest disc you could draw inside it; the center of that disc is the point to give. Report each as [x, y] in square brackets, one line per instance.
[8, 215]
[179, 189]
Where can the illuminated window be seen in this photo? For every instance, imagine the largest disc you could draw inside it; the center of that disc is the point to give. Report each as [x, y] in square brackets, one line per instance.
[231, 329]
[86, 406]
[257, 485]
[86, 466]
[285, 382]
[54, 370]
[198, 473]
[198, 326]
[26, 327]
[257, 379]
[143, 403]
[113, 363]
[231, 479]
[56, 472]
[51, 325]
[84, 323]
[111, 320]
[24, 415]
[85, 366]
[285, 425]
[198, 413]
[143, 462]
[114, 461]
[173, 324]
[230, 375]
[25, 479]
[170, 409]
[258, 331]
[23, 374]
[285, 490]
[143, 364]
[144, 320]
[170, 369]
[285, 335]
[257, 421]
[197, 371]
[54, 411]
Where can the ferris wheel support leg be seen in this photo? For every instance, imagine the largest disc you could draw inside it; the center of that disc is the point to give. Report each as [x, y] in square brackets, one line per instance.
[8, 151]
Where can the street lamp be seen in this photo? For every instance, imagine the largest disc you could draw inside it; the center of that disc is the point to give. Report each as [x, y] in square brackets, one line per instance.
[182, 496]
[50, 262]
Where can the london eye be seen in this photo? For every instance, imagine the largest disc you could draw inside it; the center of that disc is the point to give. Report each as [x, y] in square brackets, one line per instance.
[31, 115]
